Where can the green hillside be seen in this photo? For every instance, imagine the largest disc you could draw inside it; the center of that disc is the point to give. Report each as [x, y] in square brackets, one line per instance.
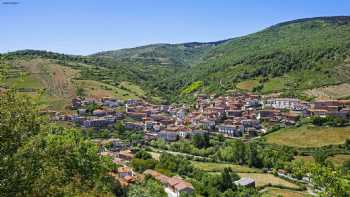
[299, 54]
[53, 82]
[303, 58]
[185, 54]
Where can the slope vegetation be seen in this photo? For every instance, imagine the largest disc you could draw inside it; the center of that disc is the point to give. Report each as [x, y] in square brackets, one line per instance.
[290, 58]
[300, 54]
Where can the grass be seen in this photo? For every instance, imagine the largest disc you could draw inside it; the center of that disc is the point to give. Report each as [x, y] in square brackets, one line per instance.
[154, 155]
[247, 85]
[306, 159]
[268, 179]
[26, 82]
[137, 91]
[191, 88]
[48, 102]
[218, 167]
[274, 192]
[338, 160]
[341, 91]
[274, 85]
[60, 82]
[98, 90]
[309, 136]
[133, 88]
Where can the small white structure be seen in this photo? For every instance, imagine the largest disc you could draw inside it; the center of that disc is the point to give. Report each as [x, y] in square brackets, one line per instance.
[245, 182]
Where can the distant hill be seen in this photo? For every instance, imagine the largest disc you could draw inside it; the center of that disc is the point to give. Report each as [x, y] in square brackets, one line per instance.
[185, 54]
[296, 58]
[54, 79]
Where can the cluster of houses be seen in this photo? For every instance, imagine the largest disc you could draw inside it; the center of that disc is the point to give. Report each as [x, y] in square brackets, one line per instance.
[242, 115]
[93, 113]
[120, 155]
[238, 115]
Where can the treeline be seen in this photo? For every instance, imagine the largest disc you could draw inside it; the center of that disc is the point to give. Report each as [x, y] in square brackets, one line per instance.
[205, 183]
[168, 164]
[330, 121]
[330, 180]
[276, 52]
[220, 150]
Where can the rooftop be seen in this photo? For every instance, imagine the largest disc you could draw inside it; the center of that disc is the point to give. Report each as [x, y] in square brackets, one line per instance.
[245, 181]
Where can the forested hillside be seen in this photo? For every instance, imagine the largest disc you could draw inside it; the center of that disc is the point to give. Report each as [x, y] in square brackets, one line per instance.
[303, 54]
[185, 54]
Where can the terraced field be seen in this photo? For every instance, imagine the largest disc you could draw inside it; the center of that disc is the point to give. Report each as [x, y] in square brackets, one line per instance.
[247, 85]
[54, 85]
[218, 167]
[263, 179]
[276, 192]
[330, 92]
[97, 89]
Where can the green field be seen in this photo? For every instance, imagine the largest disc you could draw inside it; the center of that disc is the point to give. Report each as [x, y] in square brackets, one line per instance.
[247, 85]
[275, 85]
[98, 90]
[268, 179]
[218, 167]
[132, 88]
[274, 192]
[25, 82]
[337, 160]
[306, 159]
[309, 136]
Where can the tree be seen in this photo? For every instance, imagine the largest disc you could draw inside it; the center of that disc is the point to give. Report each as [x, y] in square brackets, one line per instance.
[320, 156]
[227, 180]
[119, 126]
[239, 152]
[80, 91]
[253, 159]
[298, 169]
[143, 155]
[347, 144]
[346, 166]
[19, 121]
[92, 107]
[149, 188]
[41, 159]
[176, 164]
[331, 180]
[4, 69]
[141, 165]
[201, 141]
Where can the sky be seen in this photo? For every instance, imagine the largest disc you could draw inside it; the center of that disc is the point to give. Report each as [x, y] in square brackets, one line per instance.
[83, 27]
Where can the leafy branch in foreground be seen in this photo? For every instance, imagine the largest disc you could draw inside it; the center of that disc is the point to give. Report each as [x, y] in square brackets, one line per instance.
[40, 159]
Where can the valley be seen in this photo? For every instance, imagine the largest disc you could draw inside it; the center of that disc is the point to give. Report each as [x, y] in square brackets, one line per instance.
[266, 114]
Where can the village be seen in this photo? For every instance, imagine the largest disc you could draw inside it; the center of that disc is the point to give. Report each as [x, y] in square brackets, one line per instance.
[241, 115]
[238, 116]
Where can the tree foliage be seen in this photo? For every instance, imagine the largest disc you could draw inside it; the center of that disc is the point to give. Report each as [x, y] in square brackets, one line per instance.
[40, 159]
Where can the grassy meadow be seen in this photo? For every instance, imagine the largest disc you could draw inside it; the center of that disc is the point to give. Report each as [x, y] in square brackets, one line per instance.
[309, 136]
[218, 167]
[275, 192]
[263, 179]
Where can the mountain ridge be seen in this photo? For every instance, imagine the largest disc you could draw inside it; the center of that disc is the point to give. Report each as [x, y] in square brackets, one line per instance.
[292, 52]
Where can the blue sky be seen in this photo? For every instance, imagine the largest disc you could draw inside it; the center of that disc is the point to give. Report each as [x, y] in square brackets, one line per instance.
[88, 26]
